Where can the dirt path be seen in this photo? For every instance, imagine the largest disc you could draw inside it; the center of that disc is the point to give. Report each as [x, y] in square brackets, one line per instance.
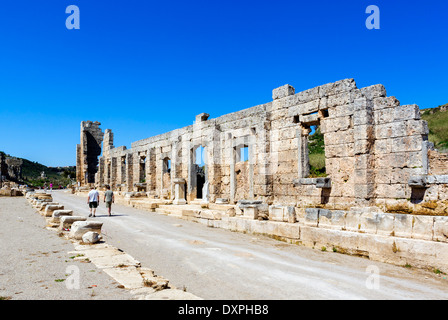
[35, 264]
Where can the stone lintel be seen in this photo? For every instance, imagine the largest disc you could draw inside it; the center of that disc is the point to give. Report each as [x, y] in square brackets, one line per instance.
[422, 181]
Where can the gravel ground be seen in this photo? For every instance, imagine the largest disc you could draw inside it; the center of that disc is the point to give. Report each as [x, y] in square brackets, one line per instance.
[35, 262]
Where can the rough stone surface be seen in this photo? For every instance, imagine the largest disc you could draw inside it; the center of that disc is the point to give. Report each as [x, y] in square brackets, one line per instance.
[80, 227]
[90, 237]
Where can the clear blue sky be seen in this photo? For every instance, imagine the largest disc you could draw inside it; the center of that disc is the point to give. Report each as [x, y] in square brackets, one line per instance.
[146, 67]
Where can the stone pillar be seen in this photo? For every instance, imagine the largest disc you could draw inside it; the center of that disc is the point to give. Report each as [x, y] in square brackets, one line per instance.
[303, 160]
[101, 172]
[206, 192]
[114, 174]
[232, 175]
[129, 172]
[179, 191]
[88, 151]
[122, 171]
[151, 172]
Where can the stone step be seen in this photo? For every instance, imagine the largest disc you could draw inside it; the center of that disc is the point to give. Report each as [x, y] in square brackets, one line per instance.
[191, 211]
[220, 207]
[179, 210]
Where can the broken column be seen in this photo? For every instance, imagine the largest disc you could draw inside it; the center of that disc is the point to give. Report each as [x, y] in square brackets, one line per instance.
[79, 228]
[67, 221]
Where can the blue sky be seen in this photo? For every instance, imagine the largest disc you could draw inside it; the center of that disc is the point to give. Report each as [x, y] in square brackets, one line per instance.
[143, 68]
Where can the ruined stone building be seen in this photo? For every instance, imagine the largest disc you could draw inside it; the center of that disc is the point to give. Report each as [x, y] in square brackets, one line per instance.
[383, 193]
[375, 150]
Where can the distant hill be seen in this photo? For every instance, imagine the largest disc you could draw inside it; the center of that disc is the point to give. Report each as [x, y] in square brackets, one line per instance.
[437, 119]
[32, 173]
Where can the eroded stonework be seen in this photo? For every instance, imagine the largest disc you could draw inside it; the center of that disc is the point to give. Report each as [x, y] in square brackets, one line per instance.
[88, 151]
[383, 195]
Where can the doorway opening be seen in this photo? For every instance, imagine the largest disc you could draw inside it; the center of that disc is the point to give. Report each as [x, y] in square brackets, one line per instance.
[199, 170]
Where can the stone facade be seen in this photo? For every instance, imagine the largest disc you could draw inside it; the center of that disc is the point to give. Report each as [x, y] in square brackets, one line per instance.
[376, 154]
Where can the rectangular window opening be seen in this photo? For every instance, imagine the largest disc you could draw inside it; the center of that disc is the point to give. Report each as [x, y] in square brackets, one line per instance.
[316, 153]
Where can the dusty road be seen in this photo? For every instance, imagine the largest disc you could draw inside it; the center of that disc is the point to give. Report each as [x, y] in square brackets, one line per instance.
[35, 263]
[219, 264]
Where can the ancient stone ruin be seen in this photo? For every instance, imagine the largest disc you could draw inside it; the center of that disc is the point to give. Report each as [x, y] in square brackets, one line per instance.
[255, 164]
[375, 150]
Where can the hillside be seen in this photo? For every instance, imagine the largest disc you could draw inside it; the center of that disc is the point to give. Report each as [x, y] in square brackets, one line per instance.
[437, 119]
[31, 173]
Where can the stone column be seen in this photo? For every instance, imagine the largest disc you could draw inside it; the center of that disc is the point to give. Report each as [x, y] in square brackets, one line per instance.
[251, 155]
[151, 179]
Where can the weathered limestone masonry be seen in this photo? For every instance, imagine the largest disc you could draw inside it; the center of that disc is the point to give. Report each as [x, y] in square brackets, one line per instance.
[255, 165]
[88, 151]
[90, 246]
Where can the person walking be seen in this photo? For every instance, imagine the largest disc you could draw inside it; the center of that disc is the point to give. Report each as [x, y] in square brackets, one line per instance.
[109, 198]
[93, 199]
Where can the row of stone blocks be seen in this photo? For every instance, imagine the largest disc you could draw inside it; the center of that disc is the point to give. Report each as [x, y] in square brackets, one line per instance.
[80, 228]
[364, 220]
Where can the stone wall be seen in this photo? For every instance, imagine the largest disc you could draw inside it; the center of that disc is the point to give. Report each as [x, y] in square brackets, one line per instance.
[376, 153]
[10, 168]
